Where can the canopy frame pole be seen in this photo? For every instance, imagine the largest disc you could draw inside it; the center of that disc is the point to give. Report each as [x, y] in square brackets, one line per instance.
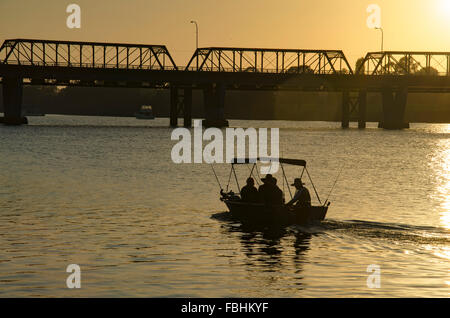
[229, 176]
[301, 175]
[285, 179]
[251, 173]
[237, 182]
[257, 172]
[313, 186]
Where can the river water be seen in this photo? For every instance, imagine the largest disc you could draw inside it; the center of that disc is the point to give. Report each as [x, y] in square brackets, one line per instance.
[103, 193]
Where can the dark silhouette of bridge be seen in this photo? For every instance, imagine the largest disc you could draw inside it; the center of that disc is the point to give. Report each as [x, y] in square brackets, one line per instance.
[215, 70]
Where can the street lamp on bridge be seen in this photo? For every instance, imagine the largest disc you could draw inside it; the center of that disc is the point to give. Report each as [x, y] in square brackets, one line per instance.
[382, 36]
[196, 38]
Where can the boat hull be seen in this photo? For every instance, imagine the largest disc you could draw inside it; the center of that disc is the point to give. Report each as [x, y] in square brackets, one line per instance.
[258, 213]
[144, 116]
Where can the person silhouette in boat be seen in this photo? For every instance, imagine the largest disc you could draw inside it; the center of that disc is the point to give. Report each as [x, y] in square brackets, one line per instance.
[269, 192]
[264, 189]
[249, 193]
[277, 194]
[302, 196]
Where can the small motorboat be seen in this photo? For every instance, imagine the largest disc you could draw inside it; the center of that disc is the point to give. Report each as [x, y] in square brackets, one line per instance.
[261, 213]
[145, 112]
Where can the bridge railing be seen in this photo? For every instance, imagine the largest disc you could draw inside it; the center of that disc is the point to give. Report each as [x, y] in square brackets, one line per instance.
[253, 70]
[405, 63]
[216, 59]
[97, 65]
[86, 54]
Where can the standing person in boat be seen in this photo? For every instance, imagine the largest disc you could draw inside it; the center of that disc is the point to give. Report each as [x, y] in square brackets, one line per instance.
[249, 193]
[302, 196]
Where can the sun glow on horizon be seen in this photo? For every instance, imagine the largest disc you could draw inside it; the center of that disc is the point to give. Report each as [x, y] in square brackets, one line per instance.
[443, 8]
[445, 5]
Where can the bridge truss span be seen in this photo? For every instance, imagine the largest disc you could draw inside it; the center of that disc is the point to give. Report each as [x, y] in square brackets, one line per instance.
[86, 54]
[405, 63]
[252, 60]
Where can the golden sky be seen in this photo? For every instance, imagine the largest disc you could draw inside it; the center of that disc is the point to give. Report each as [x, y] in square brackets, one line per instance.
[318, 24]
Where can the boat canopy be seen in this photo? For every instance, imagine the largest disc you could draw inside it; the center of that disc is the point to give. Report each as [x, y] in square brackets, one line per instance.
[295, 162]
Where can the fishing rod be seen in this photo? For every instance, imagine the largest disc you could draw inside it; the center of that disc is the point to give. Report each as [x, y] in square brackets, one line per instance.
[314, 187]
[335, 181]
[216, 177]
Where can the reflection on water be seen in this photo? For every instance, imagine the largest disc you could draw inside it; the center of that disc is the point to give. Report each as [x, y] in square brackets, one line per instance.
[443, 190]
[267, 238]
[443, 179]
[263, 248]
[263, 245]
[103, 193]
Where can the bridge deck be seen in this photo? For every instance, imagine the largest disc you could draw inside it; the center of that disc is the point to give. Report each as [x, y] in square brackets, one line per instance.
[74, 63]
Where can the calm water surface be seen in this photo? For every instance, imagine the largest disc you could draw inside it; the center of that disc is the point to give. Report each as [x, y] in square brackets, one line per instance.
[103, 193]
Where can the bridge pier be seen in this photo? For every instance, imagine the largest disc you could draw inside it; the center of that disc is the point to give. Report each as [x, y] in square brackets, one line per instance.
[394, 105]
[173, 106]
[187, 114]
[180, 104]
[362, 109]
[12, 101]
[356, 105]
[345, 122]
[214, 105]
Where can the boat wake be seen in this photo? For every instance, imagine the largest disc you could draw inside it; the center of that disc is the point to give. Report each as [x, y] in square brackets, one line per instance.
[389, 231]
[367, 229]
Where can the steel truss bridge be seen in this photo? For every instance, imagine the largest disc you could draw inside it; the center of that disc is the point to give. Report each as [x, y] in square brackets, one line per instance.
[86, 55]
[222, 59]
[217, 69]
[406, 63]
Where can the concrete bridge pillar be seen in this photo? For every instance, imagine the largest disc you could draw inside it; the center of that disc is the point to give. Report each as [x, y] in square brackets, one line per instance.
[354, 106]
[12, 101]
[362, 109]
[214, 105]
[345, 109]
[173, 106]
[180, 103]
[187, 107]
[394, 105]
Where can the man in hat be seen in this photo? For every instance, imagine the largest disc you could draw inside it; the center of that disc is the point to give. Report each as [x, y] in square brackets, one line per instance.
[302, 196]
[249, 193]
[264, 189]
[276, 194]
[269, 192]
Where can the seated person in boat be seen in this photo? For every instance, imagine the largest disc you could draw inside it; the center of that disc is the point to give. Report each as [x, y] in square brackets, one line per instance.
[269, 192]
[249, 193]
[302, 196]
[277, 194]
[229, 195]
